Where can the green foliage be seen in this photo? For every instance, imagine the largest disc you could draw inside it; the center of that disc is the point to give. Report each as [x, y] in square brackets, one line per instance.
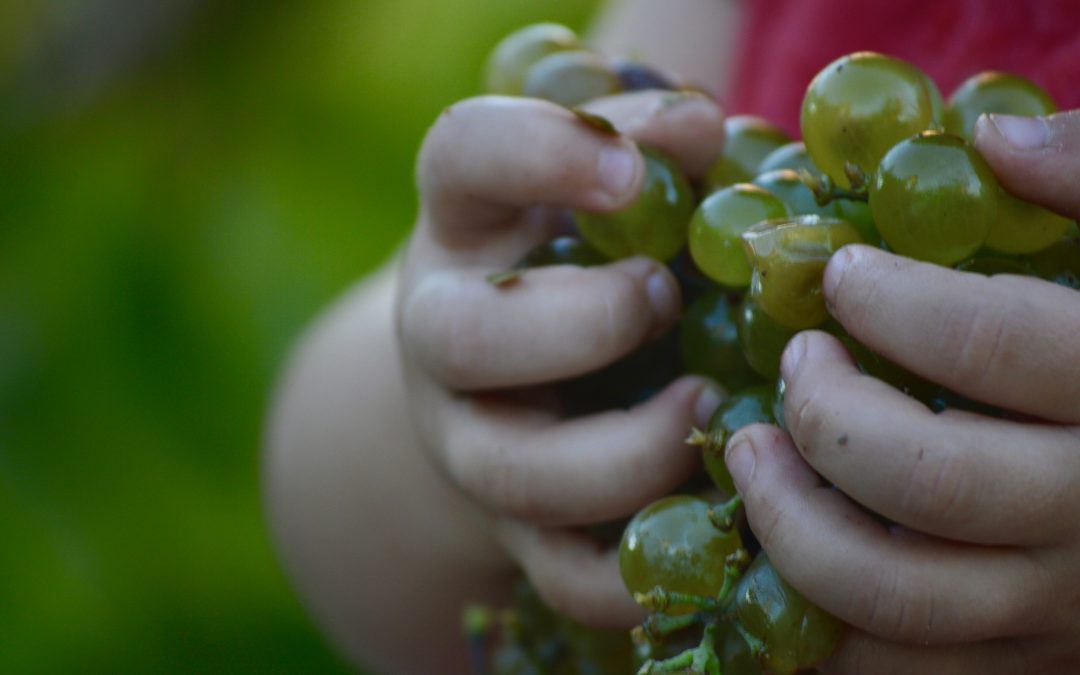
[168, 225]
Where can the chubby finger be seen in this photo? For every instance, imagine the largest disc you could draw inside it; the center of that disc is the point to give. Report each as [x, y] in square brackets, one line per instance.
[553, 323]
[864, 653]
[1036, 158]
[572, 573]
[573, 472]
[488, 157]
[689, 126]
[962, 477]
[1004, 340]
[887, 581]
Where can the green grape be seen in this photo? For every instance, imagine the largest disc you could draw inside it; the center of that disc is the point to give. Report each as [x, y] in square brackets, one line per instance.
[789, 259]
[791, 632]
[785, 185]
[654, 224]
[518, 51]
[636, 76]
[934, 198]
[748, 140]
[989, 263]
[748, 406]
[672, 544]
[566, 250]
[779, 390]
[1023, 227]
[735, 655]
[762, 338]
[789, 156]
[571, 78]
[718, 224]
[1059, 263]
[994, 92]
[709, 339]
[861, 105]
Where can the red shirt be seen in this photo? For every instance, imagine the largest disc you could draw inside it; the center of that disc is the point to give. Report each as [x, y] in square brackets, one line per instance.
[786, 42]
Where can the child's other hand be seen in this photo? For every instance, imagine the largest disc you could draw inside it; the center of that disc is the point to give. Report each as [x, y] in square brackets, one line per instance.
[981, 574]
[493, 173]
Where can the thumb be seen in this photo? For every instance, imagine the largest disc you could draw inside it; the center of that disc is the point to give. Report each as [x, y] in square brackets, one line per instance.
[1035, 158]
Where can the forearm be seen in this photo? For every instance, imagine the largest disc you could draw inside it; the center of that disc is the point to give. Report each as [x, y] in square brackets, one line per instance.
[693, 38]
[382, 550]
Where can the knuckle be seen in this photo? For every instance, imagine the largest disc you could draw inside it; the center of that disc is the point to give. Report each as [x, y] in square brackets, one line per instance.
[982, 340]
[620, 306]
[435, 332]
[895, 610]
[937, 489]
[440, 147]
[808, 416]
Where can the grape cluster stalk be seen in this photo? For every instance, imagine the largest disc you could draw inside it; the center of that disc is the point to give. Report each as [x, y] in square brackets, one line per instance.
[884, 161]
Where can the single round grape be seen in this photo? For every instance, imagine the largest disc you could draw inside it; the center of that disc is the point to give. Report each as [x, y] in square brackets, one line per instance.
[654, 224]
[789, 156]
[1059, 263]
[762, 338]
[571, 78]
[672, 544]
[718, 224]
[567, 250]
[1023, 227]
[994, 92]
[518, 51]
[988, 264]
[747, 406]
[794, 633]
[861, 105]
[748, 139]
[636, 76]
[789, 257]
[934, 198]
[709, 339]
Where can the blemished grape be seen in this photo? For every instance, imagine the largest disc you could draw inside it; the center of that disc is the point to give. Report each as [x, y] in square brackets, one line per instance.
[718, 224]
[793, 633]
[994, 92]
[709, 340]
[672, 544]
[655, 224]
[518, 51]
[571, 78]
[789, 257]
[862, 104]
[748, 139]
[934, 198]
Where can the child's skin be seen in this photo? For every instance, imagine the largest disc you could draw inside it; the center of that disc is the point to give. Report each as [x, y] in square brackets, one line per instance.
[411, 470]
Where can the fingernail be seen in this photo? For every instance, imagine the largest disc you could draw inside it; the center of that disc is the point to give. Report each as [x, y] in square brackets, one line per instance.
[618, 170]
[663, 298]
[793, 353]
[740, 460]
[708, 400]
[1022, 133]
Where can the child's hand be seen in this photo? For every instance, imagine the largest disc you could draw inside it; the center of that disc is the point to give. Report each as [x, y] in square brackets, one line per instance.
[492, 173]
[982, 572]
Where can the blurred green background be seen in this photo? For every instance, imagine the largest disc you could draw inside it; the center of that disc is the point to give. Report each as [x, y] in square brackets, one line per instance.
[183, 184]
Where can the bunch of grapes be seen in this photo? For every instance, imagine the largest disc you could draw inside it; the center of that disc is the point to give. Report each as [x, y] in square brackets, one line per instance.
[884, 161]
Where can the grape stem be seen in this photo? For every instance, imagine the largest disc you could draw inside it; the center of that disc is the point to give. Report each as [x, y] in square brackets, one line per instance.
[701, 660]
[826, 190]
[722, 516]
